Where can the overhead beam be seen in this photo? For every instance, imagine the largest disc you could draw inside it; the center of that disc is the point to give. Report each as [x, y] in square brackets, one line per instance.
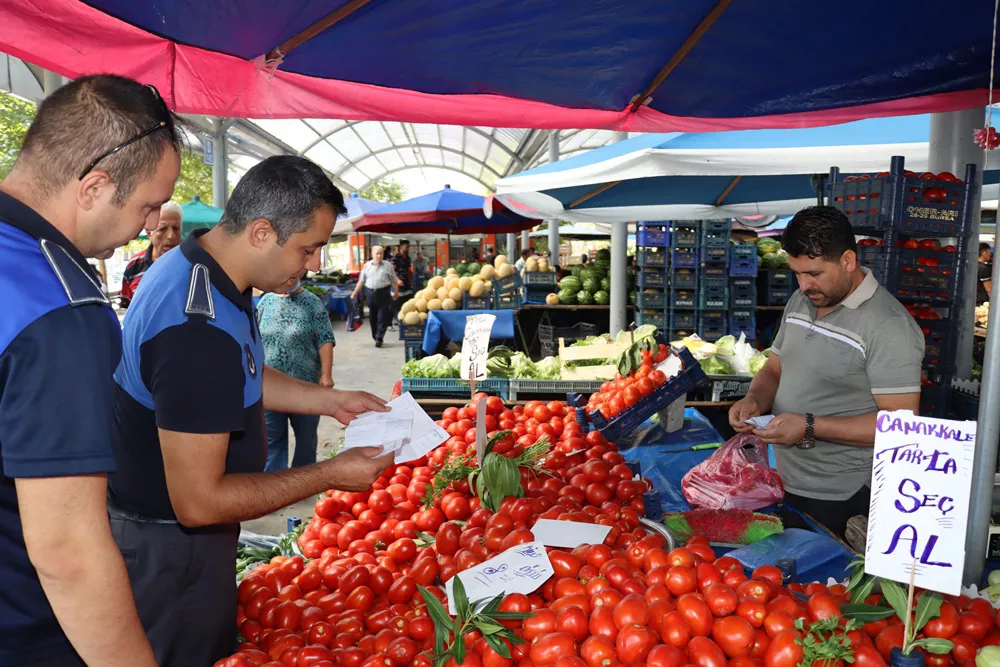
[681, 53]
[408, 167]
[604, 187]
[424, 163]
[316, 28]
[728, 190]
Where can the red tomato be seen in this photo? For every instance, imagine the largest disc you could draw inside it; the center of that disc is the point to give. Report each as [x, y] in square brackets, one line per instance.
[821, 607]
[633, 644]
[888, 639]
[697, 614]
[546, 649]
[945, 625]
[866, 656]
[706, 653]
[721, 599]
[632, 610]
[598, 652]
[734, 635]
[574, 622]
[783, 651]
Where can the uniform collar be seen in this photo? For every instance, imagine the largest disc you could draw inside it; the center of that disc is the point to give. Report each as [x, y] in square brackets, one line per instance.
[220, 279]
[18, 214]
[865, 291]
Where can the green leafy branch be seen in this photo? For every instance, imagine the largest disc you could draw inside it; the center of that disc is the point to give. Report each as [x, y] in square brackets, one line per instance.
[456, 468]
[826, 642]
[449, 634]
[860, 586]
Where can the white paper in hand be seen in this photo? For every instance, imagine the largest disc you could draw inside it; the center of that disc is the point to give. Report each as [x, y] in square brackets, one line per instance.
[406, 430]
[521, 569]
[476, 346]
[425, 435]
[759, 422]
[569, 534]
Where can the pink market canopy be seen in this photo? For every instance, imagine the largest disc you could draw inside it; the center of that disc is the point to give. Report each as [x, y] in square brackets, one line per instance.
[644, 65]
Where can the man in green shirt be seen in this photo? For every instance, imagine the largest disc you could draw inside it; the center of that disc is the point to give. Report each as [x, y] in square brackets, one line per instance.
[846, 349]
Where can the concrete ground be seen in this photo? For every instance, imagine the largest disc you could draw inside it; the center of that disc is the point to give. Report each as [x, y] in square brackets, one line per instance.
[357, 364]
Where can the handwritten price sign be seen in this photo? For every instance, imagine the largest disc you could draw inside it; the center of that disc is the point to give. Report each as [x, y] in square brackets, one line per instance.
[921, 481]
[520, 569]
[476, 346]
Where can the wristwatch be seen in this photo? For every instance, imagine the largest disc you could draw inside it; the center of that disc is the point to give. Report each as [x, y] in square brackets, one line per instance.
[809, 441]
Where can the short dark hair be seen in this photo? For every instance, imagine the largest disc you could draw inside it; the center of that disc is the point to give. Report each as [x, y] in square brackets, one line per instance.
[285, 190]
[88, 117]
[983, 247]
[526, 253]
[819, 231]
[403, 242]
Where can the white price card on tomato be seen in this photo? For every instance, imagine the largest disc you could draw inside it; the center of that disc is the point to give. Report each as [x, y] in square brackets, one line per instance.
[569, 534]
[521, 569]
[476, 346]
[921, 482]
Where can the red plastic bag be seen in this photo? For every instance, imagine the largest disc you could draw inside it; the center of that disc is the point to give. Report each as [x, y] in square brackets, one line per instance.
[735, 477]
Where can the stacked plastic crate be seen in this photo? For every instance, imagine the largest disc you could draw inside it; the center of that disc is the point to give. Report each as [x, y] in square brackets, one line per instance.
[713, 292]
[653, 260]
[684, 280]
[918, 233]
[743, 291]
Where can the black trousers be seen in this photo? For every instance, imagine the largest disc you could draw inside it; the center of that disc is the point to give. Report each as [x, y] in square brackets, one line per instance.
[379, 302]
[184, 587]
[833, 513]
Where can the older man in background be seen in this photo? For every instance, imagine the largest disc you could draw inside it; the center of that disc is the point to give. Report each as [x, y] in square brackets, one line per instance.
[381, 286]
[167, 235]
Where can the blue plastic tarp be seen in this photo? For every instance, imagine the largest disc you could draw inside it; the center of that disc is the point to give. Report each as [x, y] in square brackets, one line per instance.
[451, 325]
[817, 556]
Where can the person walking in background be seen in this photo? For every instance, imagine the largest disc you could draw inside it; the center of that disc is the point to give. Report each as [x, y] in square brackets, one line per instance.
[984, 278]
[419, 272]
[403, 267]
[381, 287]
[167, 235]
[491, 255]
[298, 341]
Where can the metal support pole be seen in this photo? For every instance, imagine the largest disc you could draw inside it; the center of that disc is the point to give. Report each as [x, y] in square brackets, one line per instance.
[220, 169]
[617, 317]
[50, 82]
[525, 242]
[554, 224]
[951, 149]
[511, 248]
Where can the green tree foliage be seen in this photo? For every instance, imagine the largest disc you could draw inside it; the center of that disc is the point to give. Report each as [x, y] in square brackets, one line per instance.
[387, 190]
[15, 117]
[195, 179]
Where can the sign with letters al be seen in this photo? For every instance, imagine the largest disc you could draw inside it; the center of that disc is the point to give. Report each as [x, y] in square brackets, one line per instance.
[921, 481]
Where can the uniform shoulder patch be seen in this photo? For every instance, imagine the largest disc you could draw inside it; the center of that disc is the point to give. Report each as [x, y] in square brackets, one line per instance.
[199, 299]
[80, 287]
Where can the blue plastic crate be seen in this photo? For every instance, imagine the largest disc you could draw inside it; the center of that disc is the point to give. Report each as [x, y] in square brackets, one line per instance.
[412, 331]
[653, 235]
[939, 344]
[963, 406]
[685, 258]
[713, 324]
[716, 255]
[553, 387]
[714, 271]
[875, 259]
[650, 299]
[511, 283]
[934, 398]
[412, 350]
[743, 321]
[742, 261]
[683, 279]
[716, 233]
[690, 378]
[476, 302]
[654, 258]
[930, 276]
[678, 334]
[651, 278]
[685, 320]
[713, 296]
[510, 301]
[686, 234]
[456, 387]
[774, 288]
[683, 299]
[658, 318]
[742, 294]
[540, 279]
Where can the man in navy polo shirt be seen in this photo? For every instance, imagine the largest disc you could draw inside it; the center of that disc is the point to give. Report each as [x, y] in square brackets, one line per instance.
[191, 392]
[97, 163]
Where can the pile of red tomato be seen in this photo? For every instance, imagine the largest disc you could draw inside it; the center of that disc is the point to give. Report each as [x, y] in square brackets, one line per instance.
[353, 600]
[617, 396]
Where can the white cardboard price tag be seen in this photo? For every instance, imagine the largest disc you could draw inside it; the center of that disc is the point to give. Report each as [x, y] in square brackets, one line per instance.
[476, 346]
[921, 481]
[521, 569]
[569, 534]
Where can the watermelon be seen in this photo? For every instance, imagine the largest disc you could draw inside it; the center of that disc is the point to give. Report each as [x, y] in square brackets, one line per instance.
[472, 269]
[577, 271]
[782, 259]
[603, 255]
[590, 285]
[463, 269]
[767, 245]
[567, 297]
[605, 285]
[769, 261]
[570, 284]
[584, 298]
[602, 298]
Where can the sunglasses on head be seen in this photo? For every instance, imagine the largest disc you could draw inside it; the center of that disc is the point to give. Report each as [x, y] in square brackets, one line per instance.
[166, 123]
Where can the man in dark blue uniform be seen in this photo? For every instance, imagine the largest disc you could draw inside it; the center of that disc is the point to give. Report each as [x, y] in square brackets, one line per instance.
[97, 163]
[191, 392]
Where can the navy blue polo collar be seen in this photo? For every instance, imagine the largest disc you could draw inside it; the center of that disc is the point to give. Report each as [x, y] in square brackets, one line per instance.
[220, 279]
[18, 214]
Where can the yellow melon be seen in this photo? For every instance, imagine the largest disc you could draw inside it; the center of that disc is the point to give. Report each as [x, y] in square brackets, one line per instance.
[434, 304]
[500, 260]
[531, 265]
[407, 307]
[452, 282]
[455, 295]
[505, 270]
[464, 283]
[487, 272]
[543, 265]
[429, 293]
[451, 272]
[423, 317]
[421, 304]
[552, 299]
[449, 304]
[411, 318]
[478, 288]
[435, 282]
[442, 293]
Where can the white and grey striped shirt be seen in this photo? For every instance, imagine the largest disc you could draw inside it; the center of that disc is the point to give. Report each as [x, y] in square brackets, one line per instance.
[377, 277]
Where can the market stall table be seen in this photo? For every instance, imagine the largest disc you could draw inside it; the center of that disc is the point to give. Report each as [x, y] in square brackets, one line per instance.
[451, 325]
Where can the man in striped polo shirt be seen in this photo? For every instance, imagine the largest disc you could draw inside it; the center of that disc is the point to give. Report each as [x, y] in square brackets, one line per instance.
[846, 349]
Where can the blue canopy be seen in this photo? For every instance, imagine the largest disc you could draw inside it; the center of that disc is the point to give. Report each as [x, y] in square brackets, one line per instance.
[356, 207]
[643, 65]
[443, 212]
[715, 175]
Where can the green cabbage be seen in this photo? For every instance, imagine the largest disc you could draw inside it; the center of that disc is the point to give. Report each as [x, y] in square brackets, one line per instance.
[522, 367]
[714, 365]
[435, 366]
[757, 362]
[549, 368]
[726, 345]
